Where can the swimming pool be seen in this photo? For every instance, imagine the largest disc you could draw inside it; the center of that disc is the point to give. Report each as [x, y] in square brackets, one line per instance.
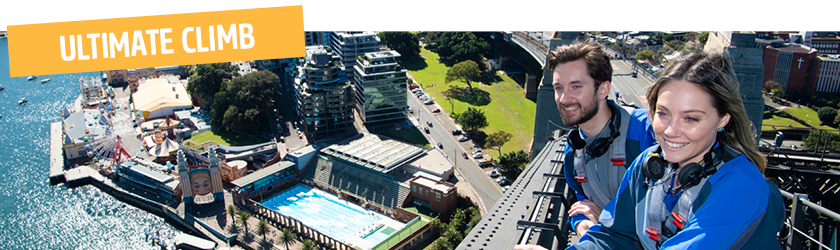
[324, 212]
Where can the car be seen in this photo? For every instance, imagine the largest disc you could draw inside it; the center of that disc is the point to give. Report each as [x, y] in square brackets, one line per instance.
[456, 132]
[505, 189]
[429, 123]
[485, 163]
[436, 110]
[427, 129]
[411, 111]
[414, 86]
[477, 155]
[282, 139]
[476, 151]
[463, 139]
[464, 154]
[494, 174]
[415, 91]
[429, 102]
[503, 181]
[440, 145]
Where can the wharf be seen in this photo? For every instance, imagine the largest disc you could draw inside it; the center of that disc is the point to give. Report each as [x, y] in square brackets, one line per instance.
[56, 154]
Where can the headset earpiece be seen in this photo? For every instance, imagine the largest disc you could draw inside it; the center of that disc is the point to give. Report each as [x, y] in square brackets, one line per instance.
[691, 175]
[654, 167]
[575, 140]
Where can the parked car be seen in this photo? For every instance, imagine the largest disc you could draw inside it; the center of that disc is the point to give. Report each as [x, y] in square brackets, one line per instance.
[414, 86]
[411, 111]
[456, 132]
[463, 139]
[494, 174]
[427, 129]
[464, 154]
[476, 151]
[429, 123]
[440, 145]
[436, 110]
[429, 102]
[415, 91]
[485, 163]
[503, 181]
[505, 189]
[477, 155]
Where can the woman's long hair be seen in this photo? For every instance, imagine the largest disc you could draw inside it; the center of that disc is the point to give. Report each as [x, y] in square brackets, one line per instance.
[713, 73]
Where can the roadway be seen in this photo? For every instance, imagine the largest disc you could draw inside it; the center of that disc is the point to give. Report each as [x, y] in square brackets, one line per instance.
[482, 186]
[632, 89]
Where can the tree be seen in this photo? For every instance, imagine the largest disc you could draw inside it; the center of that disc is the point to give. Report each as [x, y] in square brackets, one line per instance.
[308, 244]
[827, 114]
[703, 37]
[287, 237]
[463, 71]
[262, 229]
[644, 55]
[460, 46]
[677, 45]
[473, 119]
[405, 43]
[511, 162]
[243, 220]
[779, 93]
[232, 210]
[690, 36]
[244, 104]
[770, 86]
[441, 243]
[827, 140]
[208, 79]
[497, 140]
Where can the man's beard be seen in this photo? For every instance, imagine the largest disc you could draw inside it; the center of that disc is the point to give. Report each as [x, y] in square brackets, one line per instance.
[586, 113]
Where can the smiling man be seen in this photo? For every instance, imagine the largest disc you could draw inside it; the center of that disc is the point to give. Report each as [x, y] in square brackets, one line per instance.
[606, 137]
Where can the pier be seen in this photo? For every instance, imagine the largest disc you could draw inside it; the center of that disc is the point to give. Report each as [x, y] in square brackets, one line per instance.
[56, 154]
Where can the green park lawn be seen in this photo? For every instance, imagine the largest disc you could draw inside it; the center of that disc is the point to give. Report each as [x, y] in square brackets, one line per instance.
[222, 138]
[780, 122]
[507, 111]
[808, 115]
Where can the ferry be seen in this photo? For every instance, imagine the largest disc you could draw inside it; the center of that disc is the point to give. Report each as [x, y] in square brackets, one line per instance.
[31, 78]
[23, 101]
[45, 80]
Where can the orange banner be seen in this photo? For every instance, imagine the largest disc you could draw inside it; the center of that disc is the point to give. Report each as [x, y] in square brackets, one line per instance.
[153, 41]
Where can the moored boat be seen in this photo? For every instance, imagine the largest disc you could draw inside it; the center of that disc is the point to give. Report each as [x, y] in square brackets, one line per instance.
[31, 78]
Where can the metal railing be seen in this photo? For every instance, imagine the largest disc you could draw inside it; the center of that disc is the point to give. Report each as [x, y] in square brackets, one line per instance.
[802, 219]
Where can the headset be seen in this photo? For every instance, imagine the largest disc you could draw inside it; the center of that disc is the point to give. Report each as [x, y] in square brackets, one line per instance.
[690, 175]
[599, 146]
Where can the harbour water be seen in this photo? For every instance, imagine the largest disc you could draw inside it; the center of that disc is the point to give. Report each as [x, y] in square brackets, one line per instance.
[36, 215]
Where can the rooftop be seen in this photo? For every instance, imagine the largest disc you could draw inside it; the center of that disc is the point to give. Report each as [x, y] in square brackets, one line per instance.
[435, 185]
[262, 173]
[373, 151]
[433, 161]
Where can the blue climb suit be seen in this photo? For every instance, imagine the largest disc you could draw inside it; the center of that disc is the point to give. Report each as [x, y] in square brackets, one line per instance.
[734, 208]
[598, 179]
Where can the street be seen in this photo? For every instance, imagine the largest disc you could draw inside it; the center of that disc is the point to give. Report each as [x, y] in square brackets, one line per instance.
[482, 186]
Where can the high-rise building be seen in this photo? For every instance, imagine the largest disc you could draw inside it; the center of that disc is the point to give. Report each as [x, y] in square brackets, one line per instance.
[316, 38]
[350, 44]
[828, 78]
[790, 65]
[323, 96]
[746, 58]
[380, 87]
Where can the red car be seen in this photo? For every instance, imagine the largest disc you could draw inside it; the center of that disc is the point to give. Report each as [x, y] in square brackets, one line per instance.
[436, 110]
[413, 86]
[465, 155]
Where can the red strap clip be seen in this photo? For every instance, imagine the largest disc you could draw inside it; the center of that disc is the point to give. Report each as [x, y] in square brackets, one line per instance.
[653, 234]
[617, 161]
[580, 179]
[678, 220]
